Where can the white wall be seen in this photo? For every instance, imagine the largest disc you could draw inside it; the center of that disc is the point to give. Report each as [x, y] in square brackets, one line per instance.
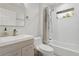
[66, 30]
[31, 25]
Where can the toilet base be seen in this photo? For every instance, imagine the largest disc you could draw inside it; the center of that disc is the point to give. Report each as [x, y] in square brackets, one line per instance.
[42, 53]
[37, 53]
[48, 54]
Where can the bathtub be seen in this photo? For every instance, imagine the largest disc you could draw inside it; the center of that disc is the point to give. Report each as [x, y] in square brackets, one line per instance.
[62, 49]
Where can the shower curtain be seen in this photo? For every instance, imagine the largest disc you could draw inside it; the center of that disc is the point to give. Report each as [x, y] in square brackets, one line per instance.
[47, 23]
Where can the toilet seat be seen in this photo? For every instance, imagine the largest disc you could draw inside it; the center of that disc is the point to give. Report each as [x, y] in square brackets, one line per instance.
[46, 48]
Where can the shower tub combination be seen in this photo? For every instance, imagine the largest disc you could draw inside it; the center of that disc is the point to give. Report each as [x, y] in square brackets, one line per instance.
[62, 49]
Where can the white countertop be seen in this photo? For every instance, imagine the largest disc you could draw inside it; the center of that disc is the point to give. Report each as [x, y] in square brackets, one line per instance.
[14, 39]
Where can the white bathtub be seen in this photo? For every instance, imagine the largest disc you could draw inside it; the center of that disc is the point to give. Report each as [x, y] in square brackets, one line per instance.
[62, 49]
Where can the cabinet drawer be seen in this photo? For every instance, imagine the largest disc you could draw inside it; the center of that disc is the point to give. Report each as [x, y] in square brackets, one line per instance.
[25, 43]
[28, 51]
[13, 53]
[8, 48]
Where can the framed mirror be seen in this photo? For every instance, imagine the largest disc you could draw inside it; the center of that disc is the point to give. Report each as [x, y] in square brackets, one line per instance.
[13, 13]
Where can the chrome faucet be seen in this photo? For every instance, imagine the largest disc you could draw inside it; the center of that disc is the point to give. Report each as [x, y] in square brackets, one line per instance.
[14, 32]
[5, 32]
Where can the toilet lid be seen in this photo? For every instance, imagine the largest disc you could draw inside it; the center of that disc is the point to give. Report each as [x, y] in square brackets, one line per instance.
[46, 48]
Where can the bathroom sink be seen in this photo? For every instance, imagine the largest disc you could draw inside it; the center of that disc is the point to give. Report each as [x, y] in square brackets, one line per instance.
[6, 39]
[14, 38]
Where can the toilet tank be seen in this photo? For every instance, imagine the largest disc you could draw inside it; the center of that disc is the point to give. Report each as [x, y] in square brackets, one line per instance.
[37, 40]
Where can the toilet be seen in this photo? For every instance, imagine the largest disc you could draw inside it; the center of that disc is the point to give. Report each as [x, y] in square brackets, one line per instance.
[45, 49]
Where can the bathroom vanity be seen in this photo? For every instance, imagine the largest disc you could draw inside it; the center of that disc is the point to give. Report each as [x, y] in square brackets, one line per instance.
[21, 45]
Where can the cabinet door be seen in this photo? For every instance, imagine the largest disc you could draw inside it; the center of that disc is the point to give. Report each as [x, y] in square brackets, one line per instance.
[28, 51]
[13, 53]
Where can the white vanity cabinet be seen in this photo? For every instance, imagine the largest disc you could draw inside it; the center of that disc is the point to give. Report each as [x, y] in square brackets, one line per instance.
[22, 48]
[28, 51]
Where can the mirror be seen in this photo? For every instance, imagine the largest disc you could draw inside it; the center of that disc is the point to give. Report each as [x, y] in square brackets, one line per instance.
[13, 14]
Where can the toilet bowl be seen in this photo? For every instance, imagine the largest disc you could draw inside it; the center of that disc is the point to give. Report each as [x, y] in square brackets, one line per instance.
[45, 49]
